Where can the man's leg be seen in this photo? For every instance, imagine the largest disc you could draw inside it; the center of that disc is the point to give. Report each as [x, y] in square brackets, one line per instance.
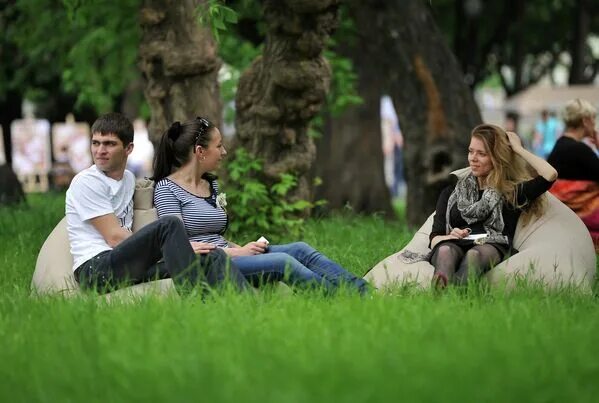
[165, 238]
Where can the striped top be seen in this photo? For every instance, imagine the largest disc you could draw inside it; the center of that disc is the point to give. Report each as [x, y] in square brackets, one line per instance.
[204, 220]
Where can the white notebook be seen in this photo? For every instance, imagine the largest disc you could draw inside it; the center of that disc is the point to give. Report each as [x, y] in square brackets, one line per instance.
[474, 237]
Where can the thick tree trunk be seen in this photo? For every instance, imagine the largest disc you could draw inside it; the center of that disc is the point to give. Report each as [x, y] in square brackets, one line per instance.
[350, 154]
[436, 108]
[179, 62]
[285, 88]
[10, 110]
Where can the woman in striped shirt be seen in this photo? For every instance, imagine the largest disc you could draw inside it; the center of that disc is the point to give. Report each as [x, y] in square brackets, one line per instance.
[185, 187]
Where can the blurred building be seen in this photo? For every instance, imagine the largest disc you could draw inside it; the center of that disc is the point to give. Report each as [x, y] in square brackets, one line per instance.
[528, 104]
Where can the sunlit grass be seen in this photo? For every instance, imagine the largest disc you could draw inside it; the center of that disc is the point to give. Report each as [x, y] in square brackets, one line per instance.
[526, 345]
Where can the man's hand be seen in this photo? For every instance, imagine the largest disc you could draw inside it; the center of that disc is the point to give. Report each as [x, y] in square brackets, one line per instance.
[202, 248]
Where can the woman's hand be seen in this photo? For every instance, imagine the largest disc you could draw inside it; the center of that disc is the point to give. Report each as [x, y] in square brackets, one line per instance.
[459, 233]
[515, 141]
[201, 248]
[542, 167]
[254, 248]
[249, 249]
[456, 233]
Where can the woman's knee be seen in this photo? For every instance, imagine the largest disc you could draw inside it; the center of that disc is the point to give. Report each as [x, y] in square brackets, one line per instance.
[301, 247]
[284, 262]
[473, 255]
[279, 257]
[447, 252]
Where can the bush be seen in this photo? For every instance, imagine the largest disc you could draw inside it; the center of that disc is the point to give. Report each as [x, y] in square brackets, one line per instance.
[255, 207]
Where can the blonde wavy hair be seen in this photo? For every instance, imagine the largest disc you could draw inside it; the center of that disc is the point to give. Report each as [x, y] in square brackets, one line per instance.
[509, 169]
[575, 111]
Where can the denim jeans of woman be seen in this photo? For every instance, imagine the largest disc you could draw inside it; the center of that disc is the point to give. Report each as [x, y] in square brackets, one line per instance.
[297, 264]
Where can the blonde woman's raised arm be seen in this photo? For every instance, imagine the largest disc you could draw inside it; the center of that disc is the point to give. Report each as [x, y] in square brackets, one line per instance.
[542, 167]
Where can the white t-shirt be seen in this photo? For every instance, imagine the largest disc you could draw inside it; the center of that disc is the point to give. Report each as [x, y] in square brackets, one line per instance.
[93, 194]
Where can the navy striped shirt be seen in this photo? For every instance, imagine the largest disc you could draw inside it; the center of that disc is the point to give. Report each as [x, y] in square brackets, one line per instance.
[204, 221]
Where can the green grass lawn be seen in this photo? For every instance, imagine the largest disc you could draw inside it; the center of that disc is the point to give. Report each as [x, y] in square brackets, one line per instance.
[410, 345]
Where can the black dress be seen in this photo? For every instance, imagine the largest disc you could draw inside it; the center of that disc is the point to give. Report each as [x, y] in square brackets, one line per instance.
[526, 193]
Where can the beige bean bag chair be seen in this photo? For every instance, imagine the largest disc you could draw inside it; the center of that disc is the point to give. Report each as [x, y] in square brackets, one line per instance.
[53, 269]
[555, 251]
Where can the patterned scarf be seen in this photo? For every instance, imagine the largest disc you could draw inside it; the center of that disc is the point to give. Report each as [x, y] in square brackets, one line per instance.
[487, 209]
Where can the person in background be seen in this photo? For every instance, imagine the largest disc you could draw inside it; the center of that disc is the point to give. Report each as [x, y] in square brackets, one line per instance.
[578, 165]
[547, 130]
[392, 148]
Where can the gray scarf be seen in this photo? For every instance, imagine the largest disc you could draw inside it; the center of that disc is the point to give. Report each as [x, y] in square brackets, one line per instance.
[487, 209]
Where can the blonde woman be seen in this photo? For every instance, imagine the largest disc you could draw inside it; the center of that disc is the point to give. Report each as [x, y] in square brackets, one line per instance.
[578, 165]
[476, 219]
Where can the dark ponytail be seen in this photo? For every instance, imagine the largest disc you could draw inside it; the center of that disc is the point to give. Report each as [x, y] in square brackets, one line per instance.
[176, 144]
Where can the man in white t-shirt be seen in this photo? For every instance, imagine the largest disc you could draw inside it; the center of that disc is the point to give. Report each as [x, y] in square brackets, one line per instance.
[99, 211]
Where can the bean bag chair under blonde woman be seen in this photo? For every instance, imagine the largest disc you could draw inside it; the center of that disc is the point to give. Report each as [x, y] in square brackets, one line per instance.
[556, 250]
[53, 269]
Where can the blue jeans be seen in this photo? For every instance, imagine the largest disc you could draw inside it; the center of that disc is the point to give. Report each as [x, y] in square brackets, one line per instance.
[297, 264]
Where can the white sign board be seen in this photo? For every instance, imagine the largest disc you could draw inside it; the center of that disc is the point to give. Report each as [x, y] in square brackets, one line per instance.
[71, 144]
[30, 146]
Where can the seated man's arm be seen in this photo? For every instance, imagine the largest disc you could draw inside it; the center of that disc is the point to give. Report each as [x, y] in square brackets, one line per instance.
[90, 199]
[108, 226]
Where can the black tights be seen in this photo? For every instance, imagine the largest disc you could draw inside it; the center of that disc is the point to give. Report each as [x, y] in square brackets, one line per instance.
[449, 259]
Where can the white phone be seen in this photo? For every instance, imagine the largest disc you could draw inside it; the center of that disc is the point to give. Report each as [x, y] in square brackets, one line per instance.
[262, 239]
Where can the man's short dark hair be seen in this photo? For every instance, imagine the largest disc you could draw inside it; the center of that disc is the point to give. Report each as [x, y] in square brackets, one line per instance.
[114, 123]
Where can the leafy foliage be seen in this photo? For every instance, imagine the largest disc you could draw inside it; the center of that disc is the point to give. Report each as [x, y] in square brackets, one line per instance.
[254, 207]
[237, 54]
[517, 41]
[102, 62]
[343, 92]
[90, 48]
[217, 16]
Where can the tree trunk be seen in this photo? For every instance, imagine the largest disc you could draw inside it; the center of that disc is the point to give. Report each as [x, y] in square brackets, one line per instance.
[11, 191]
[285, 88]
[350, 153]
[581, 25]
[10, 110]
[435, 107]
[179, 62]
